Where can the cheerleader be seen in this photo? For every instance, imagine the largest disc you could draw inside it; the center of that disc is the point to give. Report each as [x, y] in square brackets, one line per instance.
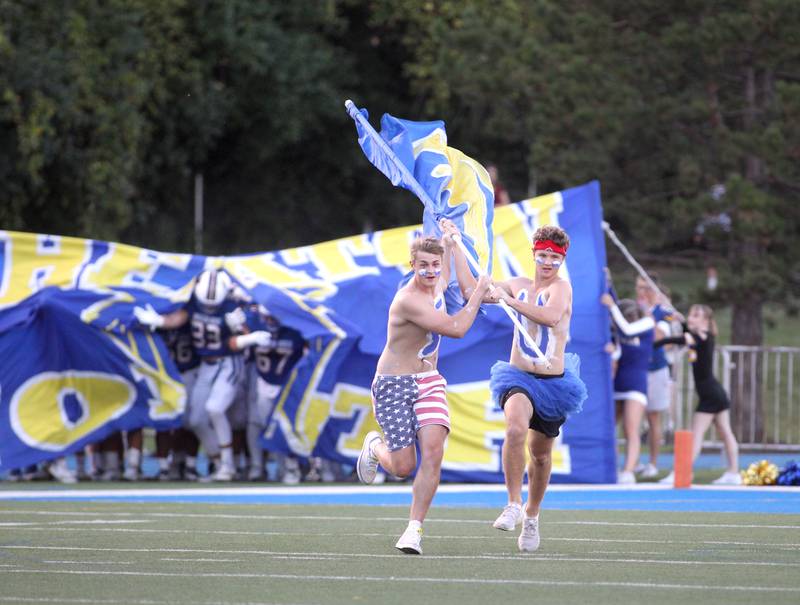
[699, 334]
[636, 333]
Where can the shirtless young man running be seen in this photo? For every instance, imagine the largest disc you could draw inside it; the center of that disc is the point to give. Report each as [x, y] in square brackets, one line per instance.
[408, 393]
[535, 399]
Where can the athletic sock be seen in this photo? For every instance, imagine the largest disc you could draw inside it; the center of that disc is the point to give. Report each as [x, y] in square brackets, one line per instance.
[110, 461]
[133, 457]
[226, 456]
[254, 447]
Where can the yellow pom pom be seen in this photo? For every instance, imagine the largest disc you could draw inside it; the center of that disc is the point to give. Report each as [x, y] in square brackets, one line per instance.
[763, 472]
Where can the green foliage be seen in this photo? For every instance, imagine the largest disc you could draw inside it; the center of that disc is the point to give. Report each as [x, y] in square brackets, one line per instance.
[109, 109]
[80, 85]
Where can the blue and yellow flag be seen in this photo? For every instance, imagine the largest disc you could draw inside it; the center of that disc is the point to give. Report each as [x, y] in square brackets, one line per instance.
[450, 184]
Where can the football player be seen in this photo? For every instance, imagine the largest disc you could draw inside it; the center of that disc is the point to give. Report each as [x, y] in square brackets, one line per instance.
[210, 313]
[273, 363]
[182, 442]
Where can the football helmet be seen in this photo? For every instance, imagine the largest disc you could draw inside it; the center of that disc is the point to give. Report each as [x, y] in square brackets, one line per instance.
[212, 287]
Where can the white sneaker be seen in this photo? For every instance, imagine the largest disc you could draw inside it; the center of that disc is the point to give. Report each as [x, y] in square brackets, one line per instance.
[131, 474]
[291, 477]
[60, 472]
[411, 541]
[728, 478]
[110, 475]
[367, 464]
[626, 478]
[649, 472]
[224, 473]
[669, 479]
[639, 468]
[528, 540]
[255, 474]
[511, 516]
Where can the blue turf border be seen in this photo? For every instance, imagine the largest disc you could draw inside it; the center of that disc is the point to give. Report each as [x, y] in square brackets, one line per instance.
[696, 499]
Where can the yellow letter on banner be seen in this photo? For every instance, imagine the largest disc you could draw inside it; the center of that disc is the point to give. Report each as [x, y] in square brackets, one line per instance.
[167, 396]
[392, 247]
[475, 426]
[477, 429]
[32, 262]
[350, 401]
[38, 416]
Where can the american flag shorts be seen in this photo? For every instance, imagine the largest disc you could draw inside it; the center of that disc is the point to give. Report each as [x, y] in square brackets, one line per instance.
[404, 404]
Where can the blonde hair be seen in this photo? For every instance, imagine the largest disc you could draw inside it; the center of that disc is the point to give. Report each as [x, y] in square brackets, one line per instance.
[708, 313]
[429, 244]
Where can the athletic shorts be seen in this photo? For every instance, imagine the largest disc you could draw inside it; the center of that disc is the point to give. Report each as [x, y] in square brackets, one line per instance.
[404, 404]
[658, 390]
[550, 428]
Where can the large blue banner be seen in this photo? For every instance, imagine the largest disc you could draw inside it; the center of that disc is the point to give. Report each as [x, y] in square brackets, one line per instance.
[76, 369]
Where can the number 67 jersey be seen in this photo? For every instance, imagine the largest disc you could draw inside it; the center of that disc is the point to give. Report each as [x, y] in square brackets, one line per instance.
[275, 361]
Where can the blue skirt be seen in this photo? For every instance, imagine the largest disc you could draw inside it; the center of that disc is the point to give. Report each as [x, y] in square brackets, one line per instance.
[553, 398]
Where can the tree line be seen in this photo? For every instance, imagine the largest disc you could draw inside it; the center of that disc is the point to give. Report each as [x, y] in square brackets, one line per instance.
[688, 113]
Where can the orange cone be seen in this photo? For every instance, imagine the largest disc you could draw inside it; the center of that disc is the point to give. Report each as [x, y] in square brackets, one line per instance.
[683, 459]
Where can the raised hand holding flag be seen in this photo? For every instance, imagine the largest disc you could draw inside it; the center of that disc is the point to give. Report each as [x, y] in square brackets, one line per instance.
[450, 184]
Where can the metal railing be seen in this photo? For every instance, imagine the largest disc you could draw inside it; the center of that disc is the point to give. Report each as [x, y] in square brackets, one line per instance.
[764, 389]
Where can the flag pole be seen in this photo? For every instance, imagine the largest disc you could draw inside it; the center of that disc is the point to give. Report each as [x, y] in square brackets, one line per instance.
[376, 138]
[639, 269]
[418, 190]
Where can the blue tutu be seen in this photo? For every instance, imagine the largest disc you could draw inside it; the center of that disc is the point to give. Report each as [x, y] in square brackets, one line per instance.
[554, 398]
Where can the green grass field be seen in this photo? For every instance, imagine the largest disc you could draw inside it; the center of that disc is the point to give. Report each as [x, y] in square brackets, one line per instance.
[150, 554]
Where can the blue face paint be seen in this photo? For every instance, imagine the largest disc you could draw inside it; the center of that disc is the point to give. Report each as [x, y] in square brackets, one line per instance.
[428, 273]
[541, 261]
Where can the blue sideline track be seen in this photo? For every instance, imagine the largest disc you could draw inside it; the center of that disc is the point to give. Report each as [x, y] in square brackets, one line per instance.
[652, 497]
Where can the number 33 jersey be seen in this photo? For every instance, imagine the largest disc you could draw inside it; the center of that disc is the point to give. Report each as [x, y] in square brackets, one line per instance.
[210, 332]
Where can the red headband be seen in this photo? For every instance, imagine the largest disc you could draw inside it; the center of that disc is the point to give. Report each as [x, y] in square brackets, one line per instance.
[545, 244]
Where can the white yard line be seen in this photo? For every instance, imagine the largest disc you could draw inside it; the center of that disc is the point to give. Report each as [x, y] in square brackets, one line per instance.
[96, 522]
[780, 545]
[23, 599]
[231, 532]
[222, 532]
[366, 518]
[344, 556]
[638, 524]
[201, 560]
[59, 562]
[416, 579]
